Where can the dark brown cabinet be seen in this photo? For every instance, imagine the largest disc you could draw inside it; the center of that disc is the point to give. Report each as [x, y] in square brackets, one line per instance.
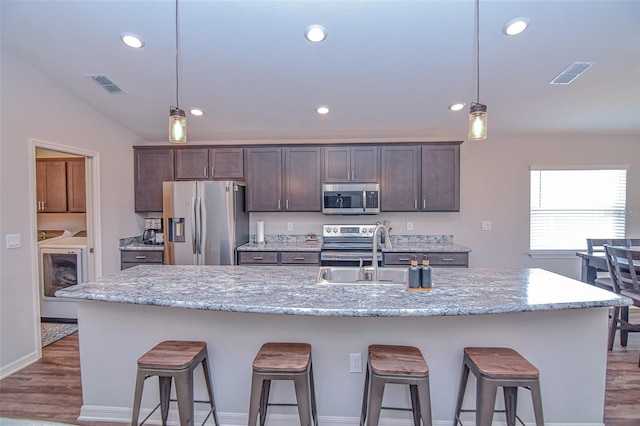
[264, 179]
[131, 258]
[441, 177]
[400, 178]
[258, 258]
[151, 168]
[278, 258]
[421, 178]
[209, 163]
[437, 259]
[351, 164]
[302, 178]
[292, 184]
[60, 185]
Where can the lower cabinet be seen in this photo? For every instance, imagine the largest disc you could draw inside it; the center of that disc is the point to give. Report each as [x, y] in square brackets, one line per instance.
[131, 258]
[444, 259]
[278, 258]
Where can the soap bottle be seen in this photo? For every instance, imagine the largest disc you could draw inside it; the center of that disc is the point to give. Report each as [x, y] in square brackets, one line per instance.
[425, 273]
[414, 274]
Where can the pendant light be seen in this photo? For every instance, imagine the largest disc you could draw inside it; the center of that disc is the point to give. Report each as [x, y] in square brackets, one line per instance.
[177, 116]
[477, 111]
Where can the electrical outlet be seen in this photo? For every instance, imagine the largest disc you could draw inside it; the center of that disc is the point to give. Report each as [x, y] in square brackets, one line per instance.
[409, 226]
[13, 241]
[289, 226]
[487, 225]
[355, 363]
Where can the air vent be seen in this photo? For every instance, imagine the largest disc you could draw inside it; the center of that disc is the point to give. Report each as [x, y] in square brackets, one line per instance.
[572, 72]
[107, 84]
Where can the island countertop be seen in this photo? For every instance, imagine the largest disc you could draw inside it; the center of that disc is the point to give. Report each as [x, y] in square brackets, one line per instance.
[293, 291]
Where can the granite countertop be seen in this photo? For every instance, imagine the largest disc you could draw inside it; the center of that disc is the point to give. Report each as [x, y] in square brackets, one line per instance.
[292, 290]
[136, 244]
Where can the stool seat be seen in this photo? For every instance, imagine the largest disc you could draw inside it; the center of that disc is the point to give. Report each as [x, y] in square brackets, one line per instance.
[403, 365]
[501, 363]
[172, 354]
[397, 361]
[174, 360]
[293, 357]
[283, 361]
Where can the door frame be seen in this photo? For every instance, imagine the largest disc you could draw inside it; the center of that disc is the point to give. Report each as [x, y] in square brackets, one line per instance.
[93, 220]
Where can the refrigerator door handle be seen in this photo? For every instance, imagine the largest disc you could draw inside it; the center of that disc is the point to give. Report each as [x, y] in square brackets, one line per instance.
[193, 224]
[202, 226]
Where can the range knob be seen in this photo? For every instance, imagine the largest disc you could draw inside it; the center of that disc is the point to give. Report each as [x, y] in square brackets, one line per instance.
[335, 230]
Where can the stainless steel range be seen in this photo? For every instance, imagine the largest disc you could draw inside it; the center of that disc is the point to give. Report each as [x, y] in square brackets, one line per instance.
[345, 245]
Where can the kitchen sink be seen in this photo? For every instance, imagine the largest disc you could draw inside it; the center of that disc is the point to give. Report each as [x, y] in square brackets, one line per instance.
[354, 275]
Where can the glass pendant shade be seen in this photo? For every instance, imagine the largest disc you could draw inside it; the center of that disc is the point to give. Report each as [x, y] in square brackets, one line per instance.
[177, 126]
[477, 122]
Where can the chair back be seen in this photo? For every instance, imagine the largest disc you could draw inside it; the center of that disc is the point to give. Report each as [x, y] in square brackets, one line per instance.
[624, 268]
[597, 244]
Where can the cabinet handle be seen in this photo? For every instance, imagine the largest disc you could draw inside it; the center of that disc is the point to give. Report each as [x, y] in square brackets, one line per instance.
[204, 171]
[258, 257]
[287, 204]
[141, 257]
[298, 258]
[278, 204]
[415, 204]
[447, 259]
[44, 206]
[403, 259]
[424, 203]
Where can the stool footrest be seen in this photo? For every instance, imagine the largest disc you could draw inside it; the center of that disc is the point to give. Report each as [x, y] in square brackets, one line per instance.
[495, 411]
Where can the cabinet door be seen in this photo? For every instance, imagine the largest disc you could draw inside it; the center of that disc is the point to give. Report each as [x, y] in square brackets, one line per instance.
[151, 168]
[226, 163]
[192, 163]
[364, 164]
[441, 177]
[264, 179]
[76, 192]
[399, 178]
[302, 179]
[337, 163]
[52, 186]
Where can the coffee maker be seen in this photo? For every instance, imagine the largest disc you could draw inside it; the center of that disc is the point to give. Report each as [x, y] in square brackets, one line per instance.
[153, 231]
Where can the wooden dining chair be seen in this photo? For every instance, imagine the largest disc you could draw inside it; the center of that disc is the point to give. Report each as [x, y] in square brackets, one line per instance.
[624, 268]
[596, 245]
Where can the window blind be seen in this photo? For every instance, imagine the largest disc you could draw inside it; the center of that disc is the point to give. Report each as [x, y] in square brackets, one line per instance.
[570, 205]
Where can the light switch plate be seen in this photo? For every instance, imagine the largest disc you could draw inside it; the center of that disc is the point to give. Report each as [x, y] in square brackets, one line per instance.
[289, 226]
[409, 226]
[13, 241]
[487, 225]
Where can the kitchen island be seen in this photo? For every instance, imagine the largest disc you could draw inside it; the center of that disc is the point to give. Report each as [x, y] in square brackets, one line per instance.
[558, 323]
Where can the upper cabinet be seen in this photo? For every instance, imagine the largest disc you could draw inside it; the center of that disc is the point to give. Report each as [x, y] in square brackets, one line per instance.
[209, 163]
[60, 185]
[275, 184]
[351, 164]
[151, 168]
[441, 178]
[421, 178]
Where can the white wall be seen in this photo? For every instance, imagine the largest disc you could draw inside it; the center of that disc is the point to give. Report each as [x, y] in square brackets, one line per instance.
[35, 108]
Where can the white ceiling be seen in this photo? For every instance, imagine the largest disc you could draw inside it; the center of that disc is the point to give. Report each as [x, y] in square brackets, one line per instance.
[388, 69]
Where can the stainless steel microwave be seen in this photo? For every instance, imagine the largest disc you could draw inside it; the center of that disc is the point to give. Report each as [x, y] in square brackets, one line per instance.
[351, 198]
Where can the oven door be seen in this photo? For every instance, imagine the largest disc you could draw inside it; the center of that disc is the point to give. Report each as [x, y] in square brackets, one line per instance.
[347, 258]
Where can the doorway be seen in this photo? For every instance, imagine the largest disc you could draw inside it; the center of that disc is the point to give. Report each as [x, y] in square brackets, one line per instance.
[71, 224]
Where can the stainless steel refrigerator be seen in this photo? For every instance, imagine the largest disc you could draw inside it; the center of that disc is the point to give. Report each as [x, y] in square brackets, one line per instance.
[205, 221]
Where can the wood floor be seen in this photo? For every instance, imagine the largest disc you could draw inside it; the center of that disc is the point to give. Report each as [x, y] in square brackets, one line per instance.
[51, 390]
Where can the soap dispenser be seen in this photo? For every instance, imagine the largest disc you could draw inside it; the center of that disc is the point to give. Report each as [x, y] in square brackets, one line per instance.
[414, 274]
[425, 273]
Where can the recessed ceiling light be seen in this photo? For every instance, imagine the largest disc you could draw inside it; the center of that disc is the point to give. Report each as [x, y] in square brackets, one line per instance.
[196, 111]
[457, 107]
[316, 33]
[322, 110]
[515, 26]
[132, 40]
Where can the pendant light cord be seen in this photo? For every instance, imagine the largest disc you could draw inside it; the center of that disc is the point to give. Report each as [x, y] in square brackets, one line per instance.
[177, 59]
[478, 51]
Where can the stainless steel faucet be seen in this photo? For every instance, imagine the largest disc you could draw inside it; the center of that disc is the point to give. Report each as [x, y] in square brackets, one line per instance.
[374, 251]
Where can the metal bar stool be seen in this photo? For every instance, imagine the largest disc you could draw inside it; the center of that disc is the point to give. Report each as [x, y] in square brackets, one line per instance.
[174, 360]
[283, 361]
[495, 367]
[399, 365]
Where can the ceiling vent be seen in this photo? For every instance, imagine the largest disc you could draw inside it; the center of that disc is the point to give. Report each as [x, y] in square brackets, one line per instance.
[572, 72]
[107, 84]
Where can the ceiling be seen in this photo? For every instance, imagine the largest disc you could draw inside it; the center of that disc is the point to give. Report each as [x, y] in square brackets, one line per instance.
[387, 69]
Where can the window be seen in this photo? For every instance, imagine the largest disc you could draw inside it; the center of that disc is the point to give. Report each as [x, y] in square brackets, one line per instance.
[570, 205]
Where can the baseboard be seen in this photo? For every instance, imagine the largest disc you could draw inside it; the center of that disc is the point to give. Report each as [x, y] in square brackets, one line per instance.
[18, 364]
[94, 413]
